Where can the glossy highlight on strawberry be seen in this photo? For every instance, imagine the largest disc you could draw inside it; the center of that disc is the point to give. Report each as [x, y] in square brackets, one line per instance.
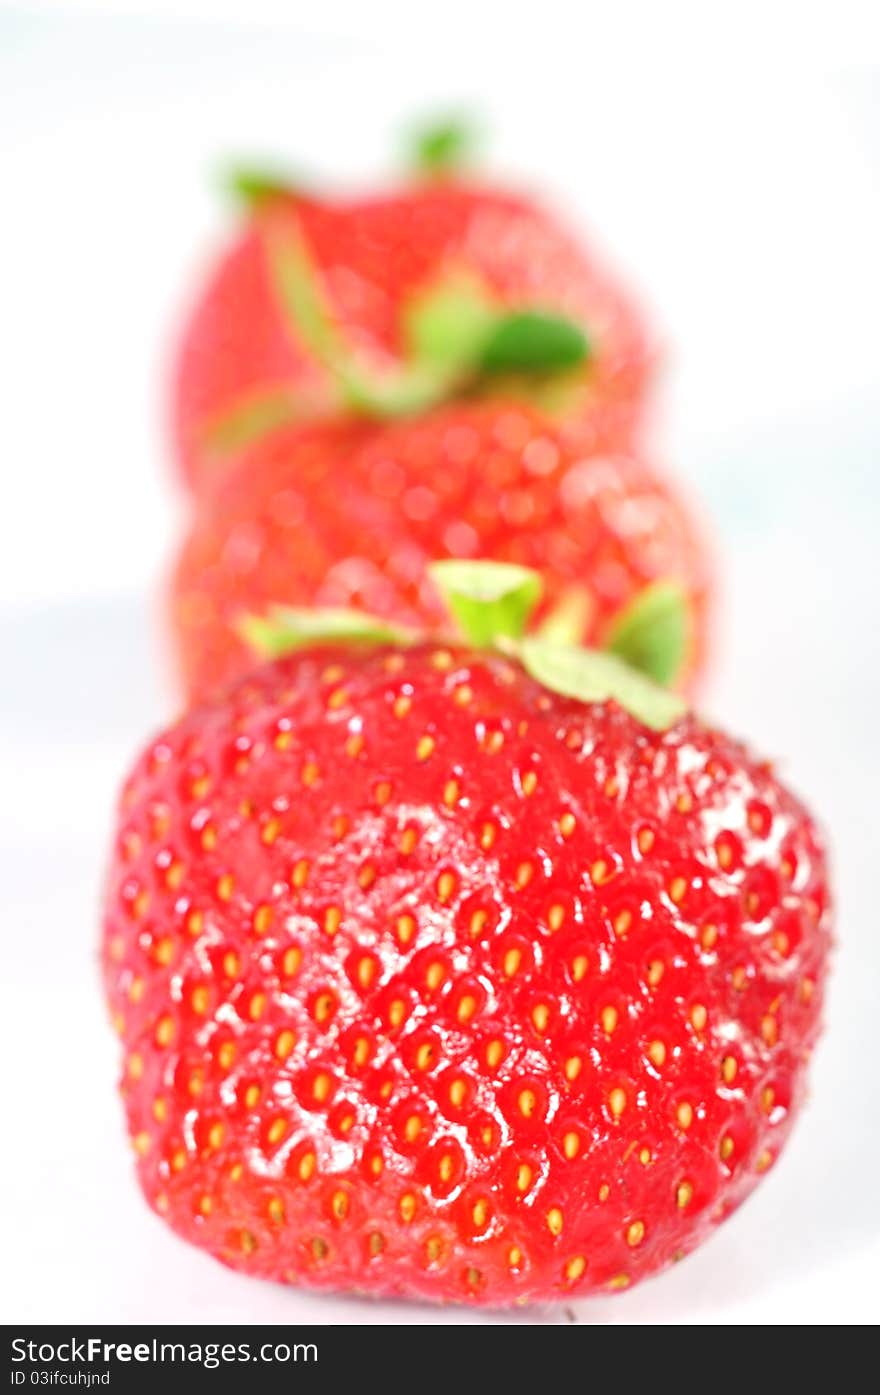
[432, 982]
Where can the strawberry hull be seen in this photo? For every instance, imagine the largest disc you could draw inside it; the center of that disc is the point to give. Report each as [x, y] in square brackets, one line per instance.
[372, 257]
[434, 983]
[344, 515]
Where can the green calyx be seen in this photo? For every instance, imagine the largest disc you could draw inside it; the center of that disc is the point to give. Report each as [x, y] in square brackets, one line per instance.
[527, 341]
[652, 633]
[441, 148]
[435, 149]
[591, 675]
[248, 420]
[492, 603]
[456, 329]
[256, 186]
[286, 628]
[456, 338]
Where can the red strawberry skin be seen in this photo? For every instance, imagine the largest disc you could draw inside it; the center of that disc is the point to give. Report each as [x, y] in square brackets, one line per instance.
[342, 515]
[433, 983]
[371, 257]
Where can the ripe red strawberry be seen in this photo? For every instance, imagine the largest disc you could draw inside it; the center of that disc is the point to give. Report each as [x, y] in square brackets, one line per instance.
[247, 360]
[341, 515]
[434, 981]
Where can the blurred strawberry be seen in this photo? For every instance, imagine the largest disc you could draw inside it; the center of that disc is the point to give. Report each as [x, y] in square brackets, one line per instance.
[342, 515]
[383, 267]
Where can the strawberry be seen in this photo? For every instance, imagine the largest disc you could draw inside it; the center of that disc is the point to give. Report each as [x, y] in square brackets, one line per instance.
[385, 267]
[476, 971]
[342, 515]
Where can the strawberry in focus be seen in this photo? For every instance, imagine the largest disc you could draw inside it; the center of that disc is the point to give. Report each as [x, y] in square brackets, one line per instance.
[342, 515]
[248, 360]
[456, 973]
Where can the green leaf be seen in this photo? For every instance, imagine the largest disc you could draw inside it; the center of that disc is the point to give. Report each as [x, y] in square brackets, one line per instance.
[527, 341]
[591, 676]
[254, 186]
[652, 633]
[286, 628]
[443, 146]
[248, 419]
[449, 325]
[490, 600]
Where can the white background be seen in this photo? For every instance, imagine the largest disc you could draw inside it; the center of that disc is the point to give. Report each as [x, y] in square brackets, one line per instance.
[743, 198]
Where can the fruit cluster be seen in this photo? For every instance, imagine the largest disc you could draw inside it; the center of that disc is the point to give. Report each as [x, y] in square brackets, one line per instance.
[451, 958]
